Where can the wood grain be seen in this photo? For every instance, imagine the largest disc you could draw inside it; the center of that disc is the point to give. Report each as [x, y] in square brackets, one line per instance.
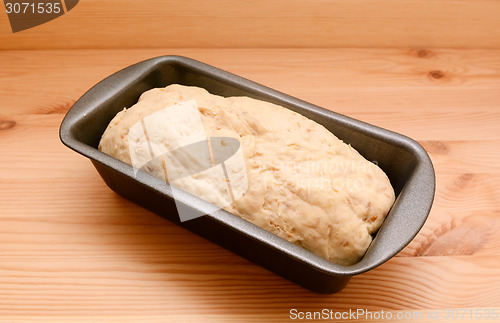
[262, 23]
[72, 250]
[387, 87]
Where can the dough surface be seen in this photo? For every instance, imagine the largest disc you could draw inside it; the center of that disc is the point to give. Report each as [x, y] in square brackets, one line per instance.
[297, 179]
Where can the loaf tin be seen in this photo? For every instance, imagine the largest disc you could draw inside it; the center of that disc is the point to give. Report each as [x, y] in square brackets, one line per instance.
[403, 160]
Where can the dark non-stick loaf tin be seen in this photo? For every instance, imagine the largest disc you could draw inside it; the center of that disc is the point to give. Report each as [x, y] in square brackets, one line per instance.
[403, 160]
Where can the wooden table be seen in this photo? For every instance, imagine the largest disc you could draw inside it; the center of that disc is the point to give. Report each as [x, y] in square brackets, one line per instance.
[72, 249]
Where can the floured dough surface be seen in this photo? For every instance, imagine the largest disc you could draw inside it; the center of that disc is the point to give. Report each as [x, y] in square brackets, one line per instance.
[303, 184]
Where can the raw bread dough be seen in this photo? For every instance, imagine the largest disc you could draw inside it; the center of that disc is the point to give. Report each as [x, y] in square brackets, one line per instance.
[297, 180]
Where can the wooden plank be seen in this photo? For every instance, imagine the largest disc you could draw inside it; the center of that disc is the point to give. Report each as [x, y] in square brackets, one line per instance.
[262, 23]
[225, 318]
[464, 219]
[37, 135]
[187, 286]
[390, 88]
